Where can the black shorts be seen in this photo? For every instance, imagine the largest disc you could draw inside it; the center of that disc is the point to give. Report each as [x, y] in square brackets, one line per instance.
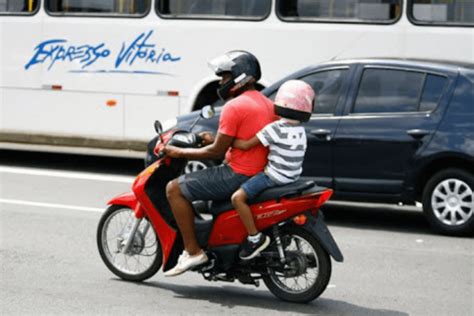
[215, 183]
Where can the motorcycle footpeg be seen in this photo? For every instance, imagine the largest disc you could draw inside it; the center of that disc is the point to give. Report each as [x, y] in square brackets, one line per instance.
[269, 254]
[247, 279]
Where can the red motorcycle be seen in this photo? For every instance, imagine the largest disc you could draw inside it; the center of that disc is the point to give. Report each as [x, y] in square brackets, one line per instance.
[138, 234]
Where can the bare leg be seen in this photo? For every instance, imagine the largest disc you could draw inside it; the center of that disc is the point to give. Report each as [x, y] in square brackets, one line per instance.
[239, 200]
[183, 212]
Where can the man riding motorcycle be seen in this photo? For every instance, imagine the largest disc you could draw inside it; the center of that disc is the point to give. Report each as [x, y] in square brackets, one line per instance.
[245, 113]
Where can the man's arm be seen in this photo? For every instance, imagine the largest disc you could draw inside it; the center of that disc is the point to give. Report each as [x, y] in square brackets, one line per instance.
[216, 150]
[246, 144]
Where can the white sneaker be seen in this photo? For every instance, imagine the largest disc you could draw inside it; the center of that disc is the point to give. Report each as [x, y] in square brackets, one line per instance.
[186, 262]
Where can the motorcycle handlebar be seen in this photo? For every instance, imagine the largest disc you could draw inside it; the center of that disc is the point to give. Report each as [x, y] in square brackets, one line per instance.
[161, 154]
[198, 140]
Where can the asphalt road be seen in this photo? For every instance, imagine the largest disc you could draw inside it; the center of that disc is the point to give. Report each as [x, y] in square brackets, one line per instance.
[49, 265]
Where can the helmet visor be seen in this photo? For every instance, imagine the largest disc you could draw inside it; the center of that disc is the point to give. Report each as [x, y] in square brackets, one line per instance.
[221, 64]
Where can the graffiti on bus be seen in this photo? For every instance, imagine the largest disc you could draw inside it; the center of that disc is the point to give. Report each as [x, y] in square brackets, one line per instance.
[141, 51]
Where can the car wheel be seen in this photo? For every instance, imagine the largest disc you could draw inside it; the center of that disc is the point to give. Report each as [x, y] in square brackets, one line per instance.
[196, 165]
[448, 202]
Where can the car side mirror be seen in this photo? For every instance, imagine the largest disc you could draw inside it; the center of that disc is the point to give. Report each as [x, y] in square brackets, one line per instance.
[207, 112]
[158, 127]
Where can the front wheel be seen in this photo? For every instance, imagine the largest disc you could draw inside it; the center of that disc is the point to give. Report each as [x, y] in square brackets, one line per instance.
[307, 271]
[143, 259]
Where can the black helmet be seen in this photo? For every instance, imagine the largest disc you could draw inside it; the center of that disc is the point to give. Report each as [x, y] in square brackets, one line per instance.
[242, 66]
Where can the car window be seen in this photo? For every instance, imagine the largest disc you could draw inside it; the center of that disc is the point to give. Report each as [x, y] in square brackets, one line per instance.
[327, 86]
[434, 87]
[388, 90]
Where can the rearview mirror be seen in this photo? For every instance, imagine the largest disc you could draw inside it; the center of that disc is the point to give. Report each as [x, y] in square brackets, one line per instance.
[207, 112]
[158, 127]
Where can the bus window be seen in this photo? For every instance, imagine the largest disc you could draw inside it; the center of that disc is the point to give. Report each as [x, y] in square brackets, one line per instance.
[214, 9]
[441, 12]
[18, 6]
[356, 11]
[103, 7]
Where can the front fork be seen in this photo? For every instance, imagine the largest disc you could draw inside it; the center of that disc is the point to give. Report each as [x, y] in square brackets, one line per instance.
[139, 215]
[133, 231]
[131, 235]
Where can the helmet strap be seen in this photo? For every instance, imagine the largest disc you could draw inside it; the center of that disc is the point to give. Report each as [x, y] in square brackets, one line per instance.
[232, 88]
[224, 92]
[242, 85]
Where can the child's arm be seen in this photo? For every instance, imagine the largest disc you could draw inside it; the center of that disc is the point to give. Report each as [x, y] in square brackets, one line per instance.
[246, 144]
[262, 137]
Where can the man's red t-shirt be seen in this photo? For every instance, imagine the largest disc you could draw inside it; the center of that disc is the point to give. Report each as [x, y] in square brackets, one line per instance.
[242, 118]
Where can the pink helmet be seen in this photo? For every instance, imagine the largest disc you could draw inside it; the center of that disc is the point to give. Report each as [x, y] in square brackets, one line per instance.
[295, 100]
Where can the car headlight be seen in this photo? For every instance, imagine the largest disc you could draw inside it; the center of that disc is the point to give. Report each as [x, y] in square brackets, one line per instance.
[169, 124]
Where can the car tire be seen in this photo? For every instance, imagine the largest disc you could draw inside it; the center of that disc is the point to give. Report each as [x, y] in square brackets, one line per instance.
[448, 202]
[198, 165]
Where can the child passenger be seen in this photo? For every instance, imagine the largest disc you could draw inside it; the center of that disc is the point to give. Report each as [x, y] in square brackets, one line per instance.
[286, 139]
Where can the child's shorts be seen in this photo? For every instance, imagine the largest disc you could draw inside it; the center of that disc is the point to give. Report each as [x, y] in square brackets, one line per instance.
[257, 184]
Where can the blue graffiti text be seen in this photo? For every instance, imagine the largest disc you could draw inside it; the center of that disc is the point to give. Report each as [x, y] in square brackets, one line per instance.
[52, 51]
[140, 49]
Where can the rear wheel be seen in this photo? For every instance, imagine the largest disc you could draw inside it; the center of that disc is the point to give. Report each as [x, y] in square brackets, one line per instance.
[448, 202]
[307, 271]
[144, 257]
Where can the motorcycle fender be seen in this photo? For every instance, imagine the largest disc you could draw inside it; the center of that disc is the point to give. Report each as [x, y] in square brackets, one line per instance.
[316, 225]
[126, 199]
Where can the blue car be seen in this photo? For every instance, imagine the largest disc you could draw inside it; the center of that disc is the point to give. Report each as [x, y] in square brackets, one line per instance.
[389, 130]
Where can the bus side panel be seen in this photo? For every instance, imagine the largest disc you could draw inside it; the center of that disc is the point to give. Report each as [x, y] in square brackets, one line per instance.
[142, 111]
[63, 113]
[18, 37]
[440, 43]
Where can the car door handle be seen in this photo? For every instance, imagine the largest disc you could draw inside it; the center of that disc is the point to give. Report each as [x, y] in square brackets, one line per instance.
[322, 133]
[417, 133]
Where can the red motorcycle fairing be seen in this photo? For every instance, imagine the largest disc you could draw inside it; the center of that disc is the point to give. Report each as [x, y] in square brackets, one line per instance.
[127, 199]
[229, 229]
[138, 201]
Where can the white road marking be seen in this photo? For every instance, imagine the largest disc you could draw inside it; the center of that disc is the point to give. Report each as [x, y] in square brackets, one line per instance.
[51, 205]
[66, 174]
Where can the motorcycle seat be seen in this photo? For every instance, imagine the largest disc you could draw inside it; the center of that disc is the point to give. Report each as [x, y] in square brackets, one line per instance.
[296, 188]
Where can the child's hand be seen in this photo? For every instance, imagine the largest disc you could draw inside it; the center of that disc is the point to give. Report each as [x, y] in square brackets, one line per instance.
[238, 143]
[245, 144]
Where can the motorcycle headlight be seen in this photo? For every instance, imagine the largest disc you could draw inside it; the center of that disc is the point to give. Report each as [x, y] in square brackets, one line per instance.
[169, 124]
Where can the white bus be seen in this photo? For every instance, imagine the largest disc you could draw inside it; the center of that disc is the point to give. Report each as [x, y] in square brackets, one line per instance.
[97, 73]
